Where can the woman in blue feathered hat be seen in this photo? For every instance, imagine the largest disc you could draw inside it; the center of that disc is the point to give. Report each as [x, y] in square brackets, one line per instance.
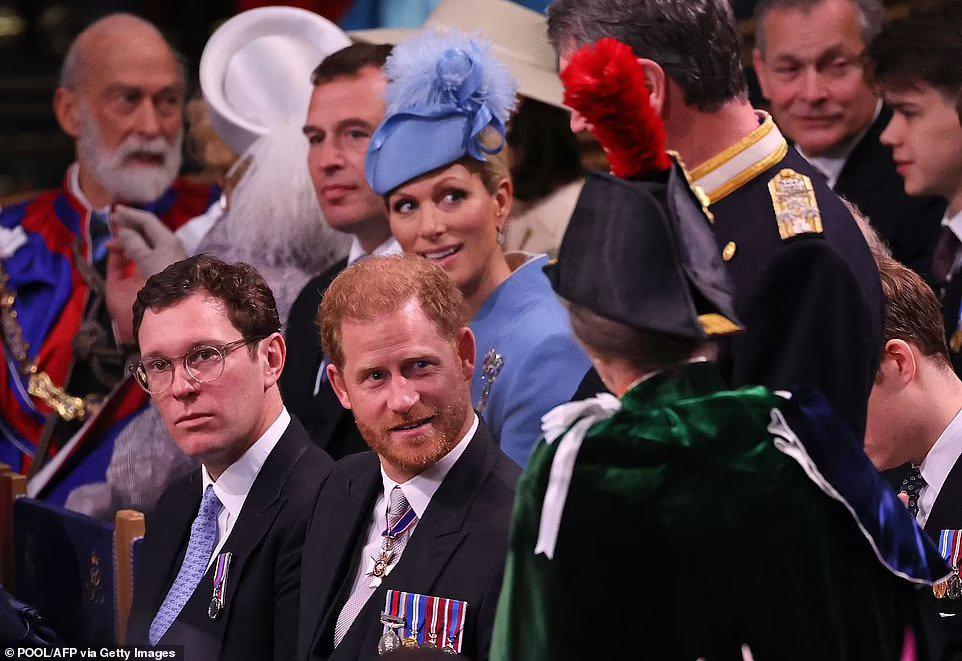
[438, 160]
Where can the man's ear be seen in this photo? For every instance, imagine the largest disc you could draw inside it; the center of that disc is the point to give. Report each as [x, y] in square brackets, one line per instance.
[759, 63]
[66, 106]
[337, 382]
[275, 353]
[899, 365]
[657, 83]
[467, 350]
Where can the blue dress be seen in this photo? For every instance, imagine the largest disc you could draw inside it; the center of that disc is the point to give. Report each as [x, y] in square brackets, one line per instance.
[528, 359]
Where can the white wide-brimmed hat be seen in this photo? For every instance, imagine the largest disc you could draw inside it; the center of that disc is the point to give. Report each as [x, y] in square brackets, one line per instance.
[255, 72]
[519, 36]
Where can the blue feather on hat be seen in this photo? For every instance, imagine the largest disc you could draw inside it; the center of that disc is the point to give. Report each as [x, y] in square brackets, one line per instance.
[445, 90]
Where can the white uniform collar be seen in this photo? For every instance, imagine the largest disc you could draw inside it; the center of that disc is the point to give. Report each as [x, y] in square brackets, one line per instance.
[728, 171]
[421, 488]
[235, 483]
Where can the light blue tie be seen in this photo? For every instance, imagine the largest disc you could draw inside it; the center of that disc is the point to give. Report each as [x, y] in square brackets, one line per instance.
[203, 539]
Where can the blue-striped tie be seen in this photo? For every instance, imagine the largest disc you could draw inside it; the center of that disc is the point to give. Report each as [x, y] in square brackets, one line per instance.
[203, 539]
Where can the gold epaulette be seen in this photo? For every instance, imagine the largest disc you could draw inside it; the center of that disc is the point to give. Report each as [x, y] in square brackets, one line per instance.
[796, 209]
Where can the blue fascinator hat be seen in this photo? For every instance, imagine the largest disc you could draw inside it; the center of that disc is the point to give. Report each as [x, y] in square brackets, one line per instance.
[445, 91]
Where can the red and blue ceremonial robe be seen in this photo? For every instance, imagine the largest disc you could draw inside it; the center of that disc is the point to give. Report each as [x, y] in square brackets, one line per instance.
[49, 297]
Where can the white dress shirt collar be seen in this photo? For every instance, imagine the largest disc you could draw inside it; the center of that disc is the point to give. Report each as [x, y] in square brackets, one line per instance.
[389, 247]
[421, 488]
[235, 483]
[937, 465]
[73, 184]
[954, 223]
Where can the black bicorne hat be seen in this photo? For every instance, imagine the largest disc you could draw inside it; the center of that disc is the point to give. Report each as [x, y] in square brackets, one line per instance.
[642, 252]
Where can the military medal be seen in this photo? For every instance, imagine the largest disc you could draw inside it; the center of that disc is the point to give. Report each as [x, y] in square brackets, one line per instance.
[387, 557]
[390, 641]
[220, 585]
[432, 636]
[422, 621]
[950, 548]
[954, 588]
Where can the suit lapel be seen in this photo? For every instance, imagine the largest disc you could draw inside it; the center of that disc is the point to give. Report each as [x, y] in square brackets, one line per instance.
[947, 509]
[266, 498]
[437, 536]
[334, 412]
[340, 541]
[867, 155]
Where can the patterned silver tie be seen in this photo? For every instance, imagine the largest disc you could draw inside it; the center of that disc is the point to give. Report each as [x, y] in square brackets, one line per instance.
[397, 506]
[203, 540]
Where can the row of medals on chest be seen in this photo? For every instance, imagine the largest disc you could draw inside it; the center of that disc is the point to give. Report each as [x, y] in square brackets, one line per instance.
[391, 640]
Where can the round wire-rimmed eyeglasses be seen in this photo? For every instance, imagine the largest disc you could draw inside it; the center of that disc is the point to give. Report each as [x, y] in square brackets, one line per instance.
[203, 364]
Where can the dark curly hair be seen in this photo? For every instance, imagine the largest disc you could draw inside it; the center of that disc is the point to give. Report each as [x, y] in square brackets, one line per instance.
[247, 300]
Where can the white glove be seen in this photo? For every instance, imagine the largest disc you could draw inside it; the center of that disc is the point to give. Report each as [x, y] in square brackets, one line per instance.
[146, 240]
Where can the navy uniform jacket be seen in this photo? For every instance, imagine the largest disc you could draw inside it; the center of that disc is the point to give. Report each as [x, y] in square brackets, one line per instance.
[811, 303]
[259, 618]
[910, 225]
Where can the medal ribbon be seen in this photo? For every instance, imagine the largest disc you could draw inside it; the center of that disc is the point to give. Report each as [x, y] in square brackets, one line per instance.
[406, 521]
[220, 576]
[950, 546]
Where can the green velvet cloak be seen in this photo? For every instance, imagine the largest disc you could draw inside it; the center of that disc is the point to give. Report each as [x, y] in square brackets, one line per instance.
[686, 534]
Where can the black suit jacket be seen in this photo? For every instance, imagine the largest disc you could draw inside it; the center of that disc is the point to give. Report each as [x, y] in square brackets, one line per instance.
[259, 619]
[456, 551]
[946, 514]
[329, 424]
[910, 225]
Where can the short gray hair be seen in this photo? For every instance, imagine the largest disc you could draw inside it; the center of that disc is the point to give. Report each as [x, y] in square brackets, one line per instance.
[871, 16]
[694, 41]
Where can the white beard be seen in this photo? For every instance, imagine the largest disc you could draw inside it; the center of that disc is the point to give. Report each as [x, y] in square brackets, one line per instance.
[141, 184]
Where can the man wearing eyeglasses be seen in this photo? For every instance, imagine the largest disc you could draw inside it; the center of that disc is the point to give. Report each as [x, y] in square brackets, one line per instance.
[221, 562]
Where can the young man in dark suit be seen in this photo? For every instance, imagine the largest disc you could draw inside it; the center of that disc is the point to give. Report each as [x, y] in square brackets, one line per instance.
[915, 64]
[915, 417]
[220, 571]
[808, 59]
[346, 107]
[407, 542]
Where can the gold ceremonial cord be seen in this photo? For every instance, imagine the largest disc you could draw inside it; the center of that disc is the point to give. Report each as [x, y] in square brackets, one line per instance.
[39, 384]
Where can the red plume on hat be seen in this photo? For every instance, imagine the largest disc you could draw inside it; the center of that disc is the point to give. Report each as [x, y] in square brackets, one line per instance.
[605, 83]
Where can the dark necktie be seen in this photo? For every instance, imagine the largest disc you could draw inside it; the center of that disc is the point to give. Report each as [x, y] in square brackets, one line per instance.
[99, 236]
[946, 250]
[912, 485]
